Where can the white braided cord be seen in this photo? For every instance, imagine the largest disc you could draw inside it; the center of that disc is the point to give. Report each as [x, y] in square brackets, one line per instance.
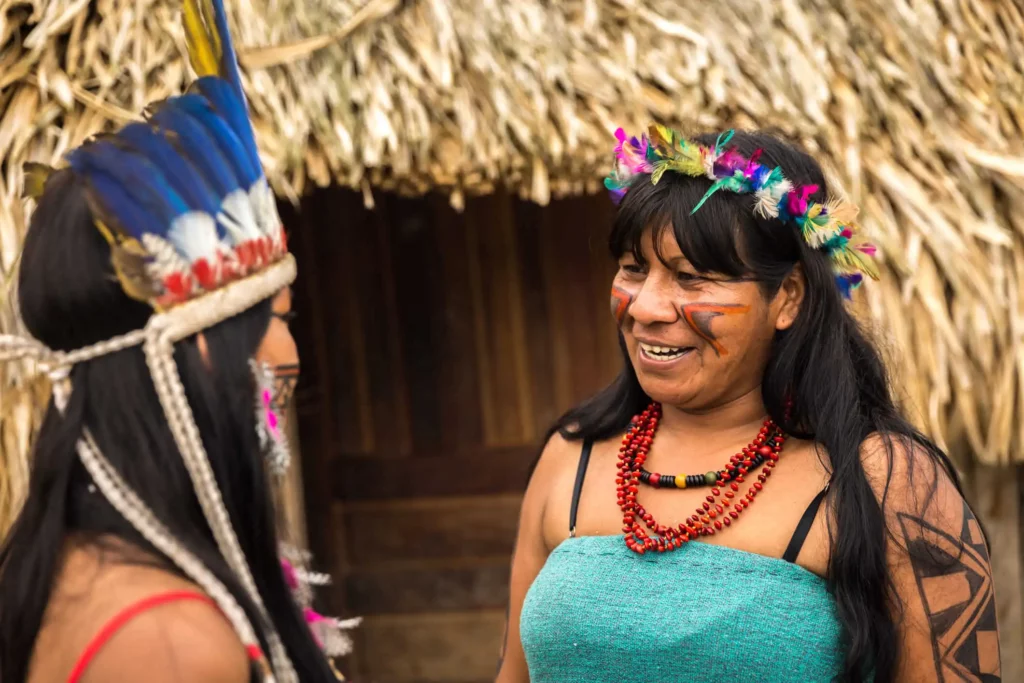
[137, 513]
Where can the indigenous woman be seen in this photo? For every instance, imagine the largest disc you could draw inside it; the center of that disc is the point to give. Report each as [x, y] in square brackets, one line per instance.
[745, 502]
[154, 282]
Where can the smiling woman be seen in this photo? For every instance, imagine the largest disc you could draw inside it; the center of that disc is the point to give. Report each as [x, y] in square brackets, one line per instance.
[745, 374]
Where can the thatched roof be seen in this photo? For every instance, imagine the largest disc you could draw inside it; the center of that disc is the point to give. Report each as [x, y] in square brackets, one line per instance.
[919, 103]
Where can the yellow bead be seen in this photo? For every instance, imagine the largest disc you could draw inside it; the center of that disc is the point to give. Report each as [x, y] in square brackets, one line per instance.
[680, 481]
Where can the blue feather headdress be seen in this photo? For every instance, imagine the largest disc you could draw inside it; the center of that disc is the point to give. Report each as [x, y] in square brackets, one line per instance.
[182, 198]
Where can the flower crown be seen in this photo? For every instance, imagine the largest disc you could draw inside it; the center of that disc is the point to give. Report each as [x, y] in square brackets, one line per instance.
[829, 227]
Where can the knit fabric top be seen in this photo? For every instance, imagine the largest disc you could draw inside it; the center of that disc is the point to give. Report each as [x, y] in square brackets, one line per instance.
[599, 613]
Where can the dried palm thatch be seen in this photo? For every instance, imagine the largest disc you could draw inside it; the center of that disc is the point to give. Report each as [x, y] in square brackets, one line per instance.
[919, 103]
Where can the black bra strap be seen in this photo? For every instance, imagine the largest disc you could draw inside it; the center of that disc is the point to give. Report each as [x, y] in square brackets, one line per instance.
[581, 472]
[800, 535]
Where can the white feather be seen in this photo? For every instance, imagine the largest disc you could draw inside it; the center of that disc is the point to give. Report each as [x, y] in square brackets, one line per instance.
[194, 235]
[237, 217]
[165, 259]
[264, 207]
[709, 165]
[765, 205]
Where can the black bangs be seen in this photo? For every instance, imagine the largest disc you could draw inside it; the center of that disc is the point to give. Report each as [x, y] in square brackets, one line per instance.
[709, 238]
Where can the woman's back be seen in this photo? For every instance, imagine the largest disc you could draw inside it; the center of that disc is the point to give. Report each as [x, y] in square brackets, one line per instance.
[115, 615]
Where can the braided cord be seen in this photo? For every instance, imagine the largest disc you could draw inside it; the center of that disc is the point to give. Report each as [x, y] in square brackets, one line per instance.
[137, 513]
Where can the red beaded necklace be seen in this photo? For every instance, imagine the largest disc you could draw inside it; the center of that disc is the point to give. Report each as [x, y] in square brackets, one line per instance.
[719, 509]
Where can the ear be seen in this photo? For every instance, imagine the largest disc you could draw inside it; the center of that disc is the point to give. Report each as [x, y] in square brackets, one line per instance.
[204, 350]
[789, 298]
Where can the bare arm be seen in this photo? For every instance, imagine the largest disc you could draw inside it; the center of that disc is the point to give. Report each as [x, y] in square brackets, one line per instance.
[528, 557]
[941, 571]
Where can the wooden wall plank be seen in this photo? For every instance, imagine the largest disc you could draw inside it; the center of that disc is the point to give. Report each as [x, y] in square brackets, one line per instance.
[457, 647]
[458, 391]
[433, 475]
[433, 587]
[397, 531]
[418, 306]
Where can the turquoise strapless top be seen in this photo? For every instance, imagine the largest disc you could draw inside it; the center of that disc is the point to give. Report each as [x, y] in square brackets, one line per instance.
[599, 613]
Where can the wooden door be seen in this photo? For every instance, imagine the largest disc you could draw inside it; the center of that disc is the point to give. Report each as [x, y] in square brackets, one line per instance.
[437, 350]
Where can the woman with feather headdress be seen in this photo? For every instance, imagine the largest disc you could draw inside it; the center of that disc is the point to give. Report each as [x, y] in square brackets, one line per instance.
[155, 284]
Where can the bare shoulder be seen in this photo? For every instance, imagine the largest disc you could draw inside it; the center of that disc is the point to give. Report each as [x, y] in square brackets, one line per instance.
[95, 585]
[910, 479]
[558, 455]
[178, 641]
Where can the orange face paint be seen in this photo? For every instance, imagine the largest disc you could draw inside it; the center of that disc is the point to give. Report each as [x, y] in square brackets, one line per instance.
[621, 300]
[699, 316]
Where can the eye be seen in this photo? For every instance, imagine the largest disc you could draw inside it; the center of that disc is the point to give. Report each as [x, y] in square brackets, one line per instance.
[631, 268]
[689, 278]
[285, 317]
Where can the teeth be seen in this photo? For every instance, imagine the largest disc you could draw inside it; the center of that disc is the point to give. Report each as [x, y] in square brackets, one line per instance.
[662, 352]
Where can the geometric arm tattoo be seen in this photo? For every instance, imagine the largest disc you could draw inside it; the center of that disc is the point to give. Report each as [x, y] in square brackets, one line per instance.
[954, 578]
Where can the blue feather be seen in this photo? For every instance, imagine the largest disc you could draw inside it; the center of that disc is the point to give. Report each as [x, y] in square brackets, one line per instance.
[233, 110]
[234, 152]
[228, 60]
[145, 185]
[198, 145]
[111, 203]
[179, 172]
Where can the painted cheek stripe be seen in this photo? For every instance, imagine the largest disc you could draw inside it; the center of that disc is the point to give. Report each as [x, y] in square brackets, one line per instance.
[699, 316]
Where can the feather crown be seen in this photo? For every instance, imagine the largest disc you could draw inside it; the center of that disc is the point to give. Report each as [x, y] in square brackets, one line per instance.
[182, 198]
[829, 226]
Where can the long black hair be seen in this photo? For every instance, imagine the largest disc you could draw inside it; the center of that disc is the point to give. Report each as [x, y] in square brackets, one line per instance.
[69, 298]
[824, 362]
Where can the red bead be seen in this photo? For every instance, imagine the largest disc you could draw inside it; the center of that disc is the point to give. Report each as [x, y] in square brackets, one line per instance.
[718, 525]
[758, 486]
[705, 520]
[726, 521]
[715, 492]
[734, 514]
[734, 486]
[655, 479]
[718, 509]
[707, 506]
[730, 494]
[710, 499]
[712, 514]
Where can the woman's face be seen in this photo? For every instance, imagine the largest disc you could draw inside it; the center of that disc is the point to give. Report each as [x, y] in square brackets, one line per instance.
[278, 346]
[278, 350]
[696, 340]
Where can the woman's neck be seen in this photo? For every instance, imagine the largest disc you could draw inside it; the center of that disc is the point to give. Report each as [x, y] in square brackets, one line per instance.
[720, 426]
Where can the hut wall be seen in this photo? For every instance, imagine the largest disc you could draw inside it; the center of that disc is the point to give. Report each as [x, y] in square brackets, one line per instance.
[437, 349]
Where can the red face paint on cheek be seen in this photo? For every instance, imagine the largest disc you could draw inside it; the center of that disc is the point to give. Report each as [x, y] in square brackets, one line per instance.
[621, 300]
[699, 316]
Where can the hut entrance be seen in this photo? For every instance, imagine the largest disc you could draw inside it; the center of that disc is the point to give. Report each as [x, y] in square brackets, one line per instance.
[437, 348]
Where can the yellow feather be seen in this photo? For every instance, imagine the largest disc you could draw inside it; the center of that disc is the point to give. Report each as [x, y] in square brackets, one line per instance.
[36, 176]
[841, 210]
[204, 48]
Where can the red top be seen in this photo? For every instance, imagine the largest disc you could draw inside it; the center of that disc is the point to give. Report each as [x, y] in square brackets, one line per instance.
[122, 618]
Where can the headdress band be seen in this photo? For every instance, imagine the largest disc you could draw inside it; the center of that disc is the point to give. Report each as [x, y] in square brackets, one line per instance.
[828, 226]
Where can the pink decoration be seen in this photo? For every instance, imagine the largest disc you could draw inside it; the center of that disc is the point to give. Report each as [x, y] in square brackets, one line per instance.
[797, 199]
[269, 414]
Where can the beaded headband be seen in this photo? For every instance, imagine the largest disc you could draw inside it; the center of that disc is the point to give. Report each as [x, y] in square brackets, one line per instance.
[829, 226]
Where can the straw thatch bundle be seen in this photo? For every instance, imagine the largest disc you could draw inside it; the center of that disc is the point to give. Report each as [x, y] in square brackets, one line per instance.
[918, 103]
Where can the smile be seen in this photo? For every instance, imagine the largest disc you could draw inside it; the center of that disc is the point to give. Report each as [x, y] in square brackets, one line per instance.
[663, 353]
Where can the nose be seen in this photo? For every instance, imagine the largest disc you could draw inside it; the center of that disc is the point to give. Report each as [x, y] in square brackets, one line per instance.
[654, 303]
